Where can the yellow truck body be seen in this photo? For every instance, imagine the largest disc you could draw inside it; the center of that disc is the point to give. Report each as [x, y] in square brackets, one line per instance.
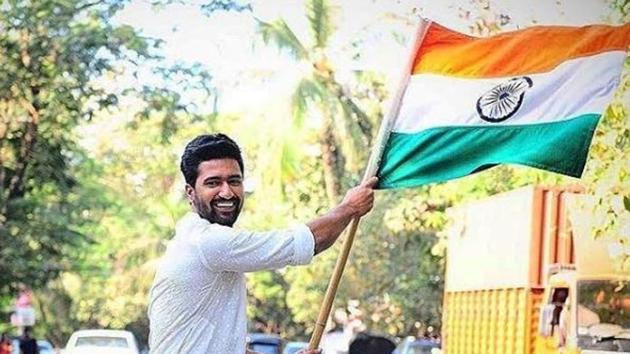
[498, 282]
[491, 321]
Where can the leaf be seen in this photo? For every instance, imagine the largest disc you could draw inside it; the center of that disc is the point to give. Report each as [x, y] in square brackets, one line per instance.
[279, 33]
[319, 21]
[626, 202]
[308, 90]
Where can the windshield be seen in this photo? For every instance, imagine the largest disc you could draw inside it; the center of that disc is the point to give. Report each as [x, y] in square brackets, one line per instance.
[423, 347]
[266, 348]
[109, 342]
[603, 314]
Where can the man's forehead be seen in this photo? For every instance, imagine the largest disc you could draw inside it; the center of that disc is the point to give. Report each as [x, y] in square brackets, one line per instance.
[219, 167]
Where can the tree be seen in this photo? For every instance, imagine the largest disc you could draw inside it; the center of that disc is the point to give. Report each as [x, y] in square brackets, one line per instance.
[345, 130]
[56, 205]
[109, 283]
[608, 175]
[50, 51]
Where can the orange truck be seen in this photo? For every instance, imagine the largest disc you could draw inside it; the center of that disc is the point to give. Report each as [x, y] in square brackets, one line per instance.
[524, 275]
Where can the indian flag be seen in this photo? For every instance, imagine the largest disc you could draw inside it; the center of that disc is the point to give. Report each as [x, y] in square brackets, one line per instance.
[531, 97]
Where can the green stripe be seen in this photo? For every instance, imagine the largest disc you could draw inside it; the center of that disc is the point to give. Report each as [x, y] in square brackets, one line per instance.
[444, 153]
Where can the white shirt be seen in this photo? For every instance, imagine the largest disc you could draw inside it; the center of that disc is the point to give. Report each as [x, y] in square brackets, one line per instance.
[336, 342]
[198, 299]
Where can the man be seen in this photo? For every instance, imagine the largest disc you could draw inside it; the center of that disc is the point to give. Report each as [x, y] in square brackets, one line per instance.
[365, 343]
[198, 297]
[28, 344]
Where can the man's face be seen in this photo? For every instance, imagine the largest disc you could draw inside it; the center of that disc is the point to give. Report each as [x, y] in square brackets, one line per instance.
[217, 195]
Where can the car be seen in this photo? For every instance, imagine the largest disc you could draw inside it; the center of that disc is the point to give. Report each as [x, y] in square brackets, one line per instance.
[101, 341]
[294, 347]
[411, 345]
[45, 347]
[264, 343]
[15, 345]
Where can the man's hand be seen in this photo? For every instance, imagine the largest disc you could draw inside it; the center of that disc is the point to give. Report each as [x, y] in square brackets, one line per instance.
[309, 351]
[303, 351]
[357, 202]
[360, 199]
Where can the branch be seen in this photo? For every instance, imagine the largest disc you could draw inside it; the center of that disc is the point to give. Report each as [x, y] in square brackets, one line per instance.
[89, 4]
[29, 139]
[362, 120]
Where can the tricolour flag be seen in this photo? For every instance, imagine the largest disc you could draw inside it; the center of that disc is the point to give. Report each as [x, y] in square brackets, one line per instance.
[531, 97]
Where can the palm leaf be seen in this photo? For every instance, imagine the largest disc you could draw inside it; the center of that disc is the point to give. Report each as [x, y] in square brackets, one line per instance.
[361, 119]
[307, 91]
[350, 136]
[279, 33]
[319, 20]
[290, 159]
[350, 109]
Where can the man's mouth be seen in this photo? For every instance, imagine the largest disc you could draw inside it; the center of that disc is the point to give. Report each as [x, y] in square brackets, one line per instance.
[225, 206]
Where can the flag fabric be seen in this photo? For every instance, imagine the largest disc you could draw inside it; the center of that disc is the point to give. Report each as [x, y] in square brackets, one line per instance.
[531, 97]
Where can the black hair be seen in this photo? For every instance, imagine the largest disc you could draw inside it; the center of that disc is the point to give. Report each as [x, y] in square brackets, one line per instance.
[365, 343]
[208, 147]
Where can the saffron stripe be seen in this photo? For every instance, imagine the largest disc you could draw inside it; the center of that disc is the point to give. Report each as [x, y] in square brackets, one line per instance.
[528, 51]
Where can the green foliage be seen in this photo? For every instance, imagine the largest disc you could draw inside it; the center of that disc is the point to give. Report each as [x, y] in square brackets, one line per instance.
[143, 181]
[623, 6]
[267, 310]
[225, 5]
[395, 275]
[279, 33]
[209, 7]
[50, 51]
[318, 13]
[66, 228]
[307, 91]
[345, 131]
[608, 172]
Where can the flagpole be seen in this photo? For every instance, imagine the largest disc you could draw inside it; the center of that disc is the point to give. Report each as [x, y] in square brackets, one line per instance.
[370, 170]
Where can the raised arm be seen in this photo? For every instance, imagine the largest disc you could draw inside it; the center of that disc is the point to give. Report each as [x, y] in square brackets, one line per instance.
[357, 202]
[227, 249]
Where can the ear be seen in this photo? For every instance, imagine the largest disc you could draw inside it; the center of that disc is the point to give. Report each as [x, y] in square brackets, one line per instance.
[190, 193]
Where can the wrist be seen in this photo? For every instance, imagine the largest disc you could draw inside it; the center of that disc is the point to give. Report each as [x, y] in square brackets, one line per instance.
[346, 210]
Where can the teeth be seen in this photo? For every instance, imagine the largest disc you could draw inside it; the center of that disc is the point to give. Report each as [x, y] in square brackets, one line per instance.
[225, 204]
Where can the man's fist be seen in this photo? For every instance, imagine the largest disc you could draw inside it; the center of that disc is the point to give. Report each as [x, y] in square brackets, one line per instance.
[309, 351]
[360, 199]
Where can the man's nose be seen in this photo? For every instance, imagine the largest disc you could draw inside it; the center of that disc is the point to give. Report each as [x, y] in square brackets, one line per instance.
[226, 191]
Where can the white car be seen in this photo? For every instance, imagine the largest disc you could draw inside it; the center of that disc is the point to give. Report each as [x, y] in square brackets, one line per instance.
[102, 341]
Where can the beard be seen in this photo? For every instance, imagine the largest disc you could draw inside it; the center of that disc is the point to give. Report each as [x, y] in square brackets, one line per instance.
[214, 215]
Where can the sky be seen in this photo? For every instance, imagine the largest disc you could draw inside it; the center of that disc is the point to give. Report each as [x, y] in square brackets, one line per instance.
[252, 76]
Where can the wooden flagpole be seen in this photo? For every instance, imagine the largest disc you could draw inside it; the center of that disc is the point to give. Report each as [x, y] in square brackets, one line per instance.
[370, 170]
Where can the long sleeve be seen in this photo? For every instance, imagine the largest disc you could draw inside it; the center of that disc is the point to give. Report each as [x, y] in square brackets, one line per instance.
[223, 248]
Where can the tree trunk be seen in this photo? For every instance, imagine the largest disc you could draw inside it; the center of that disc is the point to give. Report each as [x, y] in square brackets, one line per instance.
[29, 139]
[361, 119]
[330, 159]
[32, 105]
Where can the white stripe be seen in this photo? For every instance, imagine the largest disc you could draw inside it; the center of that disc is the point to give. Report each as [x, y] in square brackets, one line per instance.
[576, 87]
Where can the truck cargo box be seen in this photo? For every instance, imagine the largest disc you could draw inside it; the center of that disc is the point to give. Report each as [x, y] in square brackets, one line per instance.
[498, 254]
[508, 240]
[497, 321]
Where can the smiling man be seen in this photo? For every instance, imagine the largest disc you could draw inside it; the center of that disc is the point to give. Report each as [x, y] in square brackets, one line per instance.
[198, 297]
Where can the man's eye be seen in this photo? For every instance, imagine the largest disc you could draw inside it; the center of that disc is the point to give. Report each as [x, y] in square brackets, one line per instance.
[212, 183]
[235, 182]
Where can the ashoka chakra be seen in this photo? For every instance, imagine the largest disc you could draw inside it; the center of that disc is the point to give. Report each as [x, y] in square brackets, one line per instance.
[504, 100]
